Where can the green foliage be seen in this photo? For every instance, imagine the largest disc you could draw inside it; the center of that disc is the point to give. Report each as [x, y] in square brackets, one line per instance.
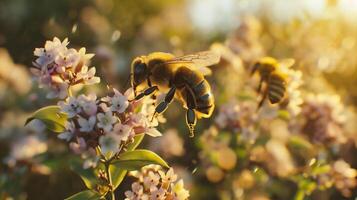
[88, 176]
[117, 174]
[134, 160]
[51, 117]
[137, 140]
[85, 195]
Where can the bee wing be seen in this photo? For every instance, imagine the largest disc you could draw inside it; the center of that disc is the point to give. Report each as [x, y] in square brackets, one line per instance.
[198, 61]
[288, 62]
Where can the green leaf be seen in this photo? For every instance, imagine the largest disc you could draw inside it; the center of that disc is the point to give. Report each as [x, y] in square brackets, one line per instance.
[135, 160]
[299, 142]
[85, 195]
[87, 175]
[51, 117]
[137, 140]
[117, 175]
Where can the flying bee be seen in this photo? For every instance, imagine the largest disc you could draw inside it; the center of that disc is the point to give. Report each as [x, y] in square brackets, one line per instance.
[271, 72]
[181, 78]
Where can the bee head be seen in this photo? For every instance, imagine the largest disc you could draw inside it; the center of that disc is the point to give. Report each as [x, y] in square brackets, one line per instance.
[138, 72]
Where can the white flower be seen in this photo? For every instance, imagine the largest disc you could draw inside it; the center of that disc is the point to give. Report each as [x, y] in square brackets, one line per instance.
[86, 125]
[108, 144]
[106, 121]
[70, 107]
[122, 131]
[141, 125]
[180, 192]
[159, 194]
[56, 45]
[87, 76]
[169, 177]
[153, 132]
[137, 192]
[151, 181]
[68, 135]
[91, 162]
[48, 54]
[83, 56]
[88, 104]
[119, 102]
[67, 58]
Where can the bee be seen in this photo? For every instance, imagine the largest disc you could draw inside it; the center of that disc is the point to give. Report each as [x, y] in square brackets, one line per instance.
[181, 78]
[271, 72]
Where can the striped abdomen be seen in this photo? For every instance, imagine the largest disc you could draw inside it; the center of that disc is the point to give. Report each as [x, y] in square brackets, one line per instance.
[194, 90]
[204, 99]
[276, 88]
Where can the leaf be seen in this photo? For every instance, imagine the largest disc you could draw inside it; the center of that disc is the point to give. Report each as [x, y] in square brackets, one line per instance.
[299, 143]
[117, 175]
[137, 140]
[85, 195]
[134, 160]
[51, 117]
[87, 175]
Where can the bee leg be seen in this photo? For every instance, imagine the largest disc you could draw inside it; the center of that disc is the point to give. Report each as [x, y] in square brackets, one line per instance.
[254, 68]
[260, 85]
[135, 93]
[191, 118]
[146, 92]
[265, 94]
[191, 121]
[164, 104]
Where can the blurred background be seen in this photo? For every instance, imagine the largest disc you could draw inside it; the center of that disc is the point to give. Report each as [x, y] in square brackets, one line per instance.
[285, 152]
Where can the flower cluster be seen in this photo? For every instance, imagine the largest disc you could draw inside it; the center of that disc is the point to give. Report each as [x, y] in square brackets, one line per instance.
[109, 123]
[154, 184]
[58, 68]
[324, 118]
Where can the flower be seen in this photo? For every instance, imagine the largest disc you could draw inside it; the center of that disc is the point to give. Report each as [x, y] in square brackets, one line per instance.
[68, 135]
[108, 144]
[180, 192]
[169, 177]
[58, 68]
[141, 124]
[87, 76]
[159, 194]
[86, 125]
[106, 121]
[137, 193]
[119, 102]
[67, 58]
[123, 131]
[88, 104]
[71, 107]
[153, 182]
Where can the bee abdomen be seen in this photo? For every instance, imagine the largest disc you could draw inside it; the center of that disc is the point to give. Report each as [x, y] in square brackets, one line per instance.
[205, 104]
[276, 88]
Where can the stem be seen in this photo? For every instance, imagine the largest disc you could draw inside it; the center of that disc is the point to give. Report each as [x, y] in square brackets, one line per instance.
[110, 180]
[300, 195]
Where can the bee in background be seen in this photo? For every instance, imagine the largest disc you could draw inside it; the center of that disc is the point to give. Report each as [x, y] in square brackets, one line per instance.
[181, 78]
[271, 72]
